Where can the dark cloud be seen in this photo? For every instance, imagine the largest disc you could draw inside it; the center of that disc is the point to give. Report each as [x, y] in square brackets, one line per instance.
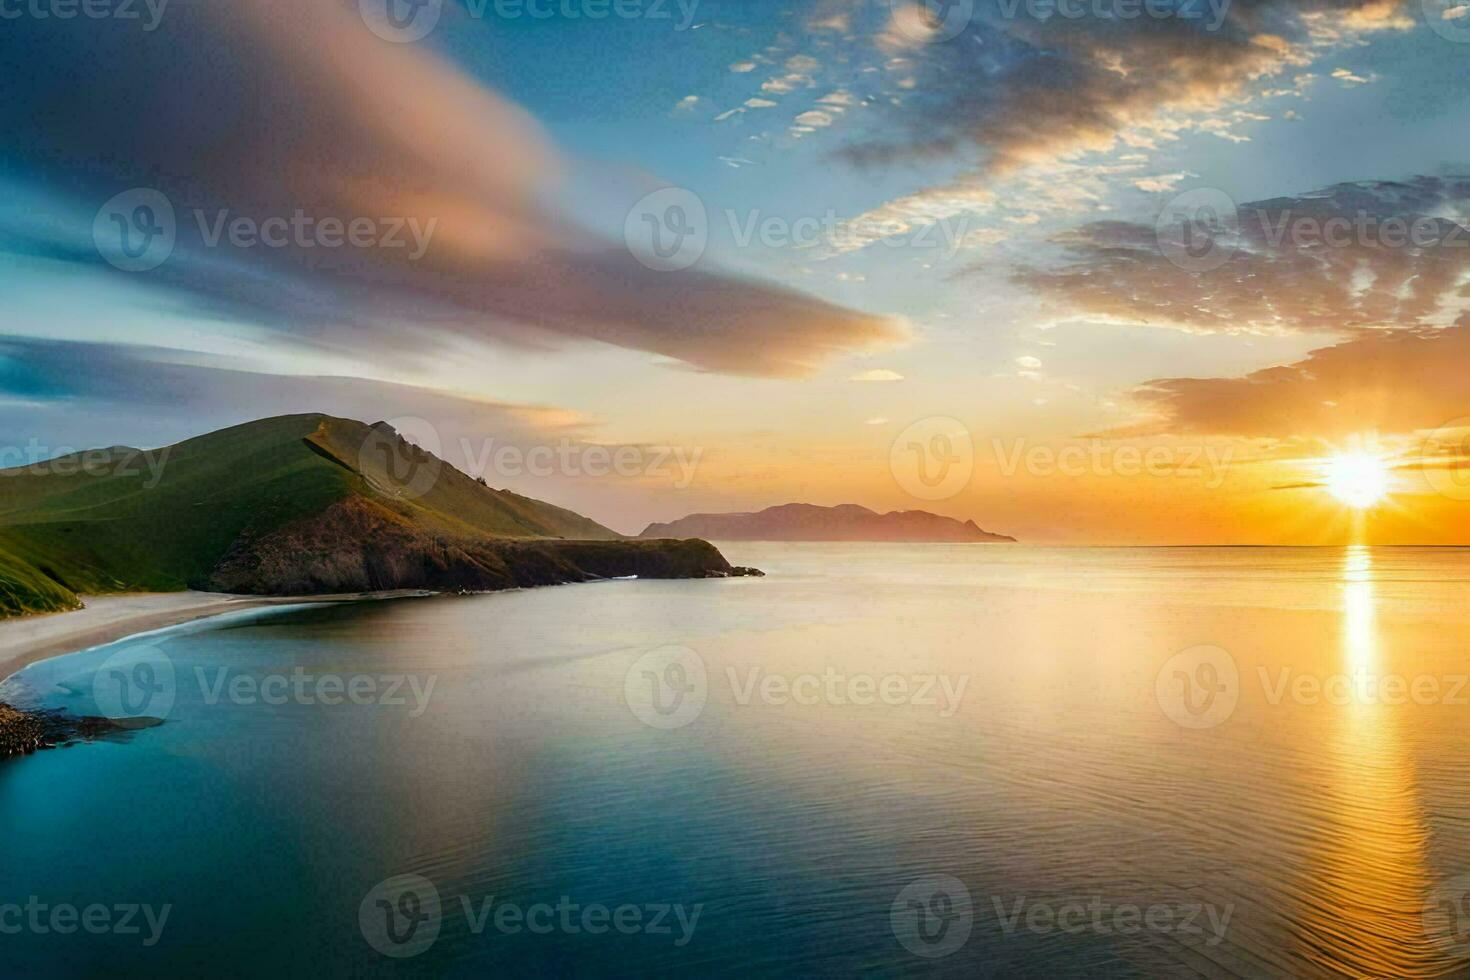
[258, 108]
[1353, 256]
[1023, 89]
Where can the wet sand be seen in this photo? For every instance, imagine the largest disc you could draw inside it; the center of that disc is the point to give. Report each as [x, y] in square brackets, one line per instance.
[27, 639]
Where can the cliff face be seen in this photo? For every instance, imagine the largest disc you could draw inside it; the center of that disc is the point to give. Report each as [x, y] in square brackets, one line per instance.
[357, 546]
[807, 522]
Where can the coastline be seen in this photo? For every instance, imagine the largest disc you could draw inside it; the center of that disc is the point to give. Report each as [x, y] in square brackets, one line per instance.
[107, 618]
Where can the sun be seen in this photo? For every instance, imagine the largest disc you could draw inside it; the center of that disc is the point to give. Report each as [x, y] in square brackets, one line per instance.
[1359, 480]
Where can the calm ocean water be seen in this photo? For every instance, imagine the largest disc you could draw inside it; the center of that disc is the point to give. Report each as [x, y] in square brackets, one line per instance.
[931, 760]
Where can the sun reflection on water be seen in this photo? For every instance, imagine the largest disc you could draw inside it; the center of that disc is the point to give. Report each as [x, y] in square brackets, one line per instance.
[1362, 914]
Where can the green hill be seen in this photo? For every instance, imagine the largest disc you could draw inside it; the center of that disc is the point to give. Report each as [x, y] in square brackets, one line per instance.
[294, 505]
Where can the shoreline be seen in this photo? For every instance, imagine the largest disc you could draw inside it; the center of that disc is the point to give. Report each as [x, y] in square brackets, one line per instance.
[107, 618]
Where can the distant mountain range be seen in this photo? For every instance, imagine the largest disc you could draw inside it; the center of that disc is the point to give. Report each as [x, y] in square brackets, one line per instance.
[296, 505]
[808, 522]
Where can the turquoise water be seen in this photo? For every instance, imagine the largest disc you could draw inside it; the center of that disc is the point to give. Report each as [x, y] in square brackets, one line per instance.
[932, 760]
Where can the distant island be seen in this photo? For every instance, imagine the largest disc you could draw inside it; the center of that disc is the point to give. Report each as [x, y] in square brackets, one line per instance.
[808, 522]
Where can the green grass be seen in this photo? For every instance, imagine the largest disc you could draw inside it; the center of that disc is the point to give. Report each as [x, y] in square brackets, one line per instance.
[118, 526]
[26, 589]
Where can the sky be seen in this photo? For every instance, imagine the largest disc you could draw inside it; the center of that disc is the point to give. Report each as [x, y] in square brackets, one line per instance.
[1088, 271]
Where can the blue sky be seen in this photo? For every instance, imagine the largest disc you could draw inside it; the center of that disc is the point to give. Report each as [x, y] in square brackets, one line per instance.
[972, 201]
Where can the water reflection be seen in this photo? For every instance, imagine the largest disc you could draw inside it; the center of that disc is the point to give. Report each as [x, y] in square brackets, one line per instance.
[1362, 913]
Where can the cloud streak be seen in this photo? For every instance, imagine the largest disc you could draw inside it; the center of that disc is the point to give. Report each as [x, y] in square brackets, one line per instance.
[266, 108]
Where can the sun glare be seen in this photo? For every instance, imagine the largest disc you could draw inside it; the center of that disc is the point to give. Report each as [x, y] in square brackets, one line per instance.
[1359, 480]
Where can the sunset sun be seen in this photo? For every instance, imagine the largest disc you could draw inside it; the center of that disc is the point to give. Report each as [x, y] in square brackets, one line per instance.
[1359, 480]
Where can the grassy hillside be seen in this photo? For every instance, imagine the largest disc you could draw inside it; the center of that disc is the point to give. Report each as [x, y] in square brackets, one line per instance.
[25, 588]
[301, 503]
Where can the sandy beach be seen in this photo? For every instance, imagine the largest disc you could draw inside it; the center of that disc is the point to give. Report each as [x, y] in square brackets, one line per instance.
[107, 618]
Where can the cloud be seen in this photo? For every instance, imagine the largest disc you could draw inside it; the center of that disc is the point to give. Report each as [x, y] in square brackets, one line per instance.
[1389, 382]
[1020, 95]
[265, 108]
[877, 374]
[1367, 255]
